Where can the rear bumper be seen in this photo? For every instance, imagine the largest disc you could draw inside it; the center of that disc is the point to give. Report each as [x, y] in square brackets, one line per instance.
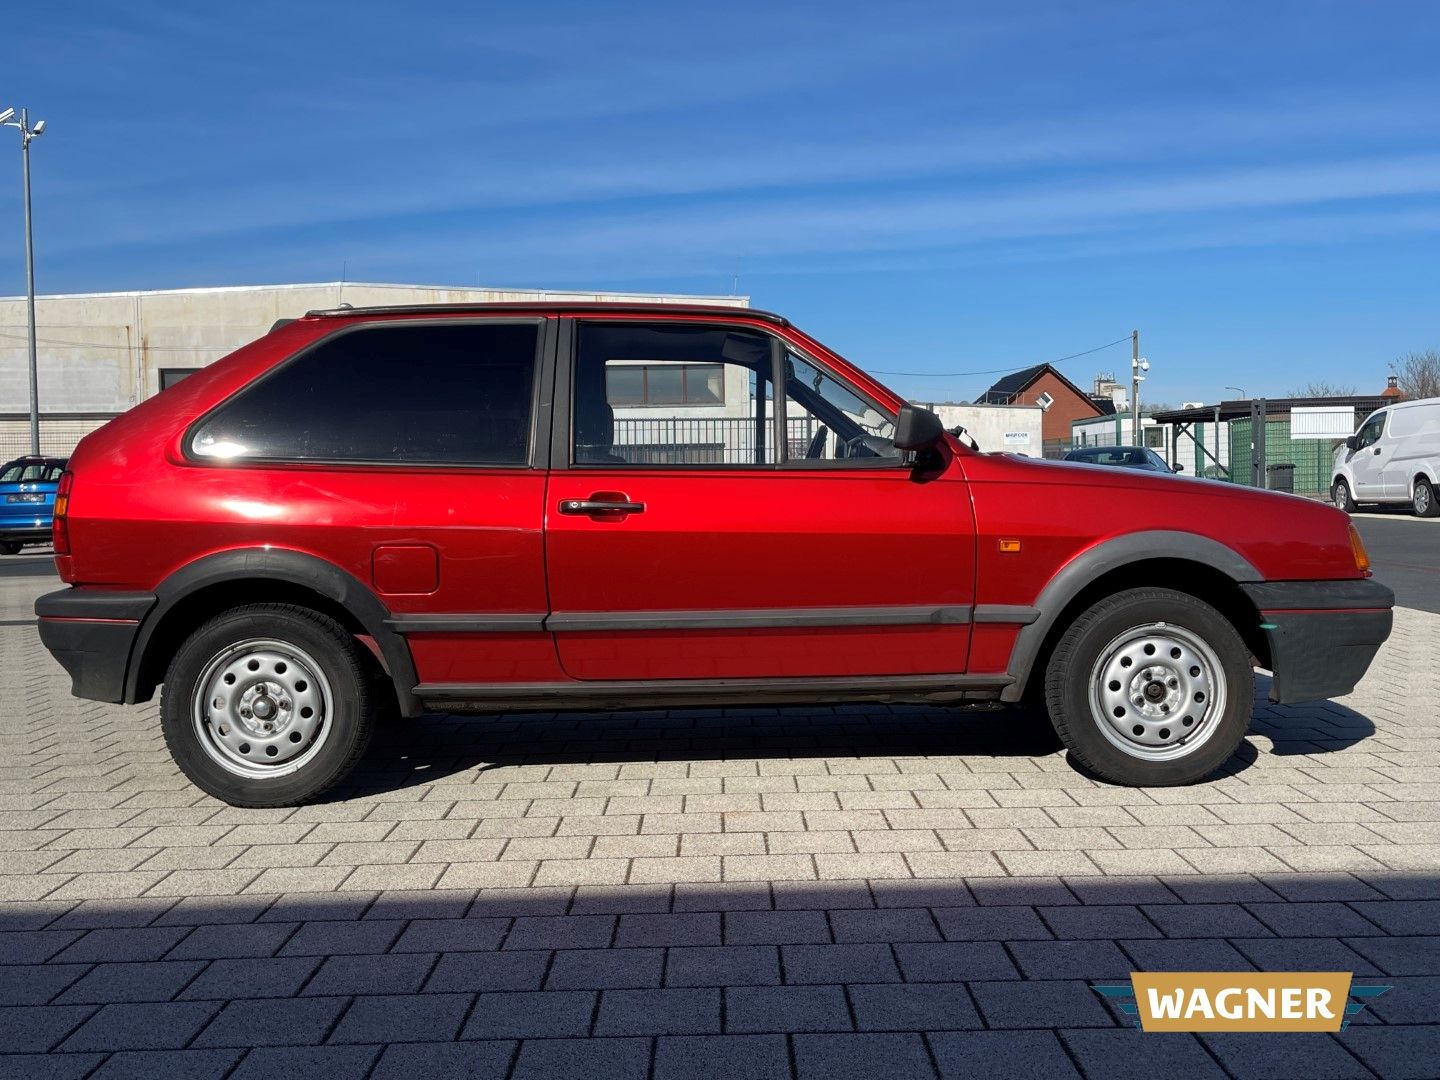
[92, 633]
[1323, 634]
[25, 534]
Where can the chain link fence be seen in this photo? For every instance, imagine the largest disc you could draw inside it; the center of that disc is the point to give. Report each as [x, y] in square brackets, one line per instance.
[59, 432]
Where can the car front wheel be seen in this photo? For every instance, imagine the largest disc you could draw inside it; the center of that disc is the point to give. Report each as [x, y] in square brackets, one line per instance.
[1151, 687]
[1340, 496]
[267, 705]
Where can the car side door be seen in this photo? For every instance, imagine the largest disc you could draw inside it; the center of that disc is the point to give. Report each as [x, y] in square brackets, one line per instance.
[699, 526]
[1367, 459]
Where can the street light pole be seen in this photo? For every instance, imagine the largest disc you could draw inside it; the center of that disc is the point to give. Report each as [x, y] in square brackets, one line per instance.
[7, 118]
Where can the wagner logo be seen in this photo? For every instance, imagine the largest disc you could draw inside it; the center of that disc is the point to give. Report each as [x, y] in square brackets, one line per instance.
[1241, 1000]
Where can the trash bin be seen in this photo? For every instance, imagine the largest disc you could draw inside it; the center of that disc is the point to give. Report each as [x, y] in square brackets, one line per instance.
[1280, 477]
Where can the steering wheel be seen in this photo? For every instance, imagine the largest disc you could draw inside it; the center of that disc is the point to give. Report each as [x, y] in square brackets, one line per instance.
[816, 449]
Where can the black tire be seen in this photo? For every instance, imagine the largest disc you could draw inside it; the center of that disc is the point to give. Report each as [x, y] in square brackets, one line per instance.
[9, 547]
[1341, 497]
[1068, 685]
[347, 723]
[1426, 504]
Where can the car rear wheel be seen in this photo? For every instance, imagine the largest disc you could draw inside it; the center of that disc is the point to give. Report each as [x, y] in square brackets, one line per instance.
[1426, 504]
[9, 547]
[1151, 687]
[1340, 496]
[267, 705]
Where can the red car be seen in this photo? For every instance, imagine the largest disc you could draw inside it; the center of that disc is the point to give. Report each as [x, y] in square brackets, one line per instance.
[481, 508]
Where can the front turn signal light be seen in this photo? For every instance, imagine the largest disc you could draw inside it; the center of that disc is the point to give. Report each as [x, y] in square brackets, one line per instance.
[1357, 548]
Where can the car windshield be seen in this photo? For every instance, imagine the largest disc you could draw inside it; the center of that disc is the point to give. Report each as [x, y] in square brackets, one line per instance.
[1110, 455]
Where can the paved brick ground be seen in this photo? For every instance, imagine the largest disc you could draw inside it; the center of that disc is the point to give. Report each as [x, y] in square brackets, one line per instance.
[749, 893]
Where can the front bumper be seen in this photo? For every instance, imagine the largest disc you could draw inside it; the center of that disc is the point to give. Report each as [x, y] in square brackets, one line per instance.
[1323, 634]
[91, 633]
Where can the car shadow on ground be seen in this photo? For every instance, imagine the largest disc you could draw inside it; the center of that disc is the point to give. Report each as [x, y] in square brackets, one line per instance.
[436, 745]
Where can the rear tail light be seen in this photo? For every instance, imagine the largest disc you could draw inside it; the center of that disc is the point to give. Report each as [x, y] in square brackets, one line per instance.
[60, 527]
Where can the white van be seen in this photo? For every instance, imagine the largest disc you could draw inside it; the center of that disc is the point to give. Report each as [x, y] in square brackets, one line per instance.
[1393, 458]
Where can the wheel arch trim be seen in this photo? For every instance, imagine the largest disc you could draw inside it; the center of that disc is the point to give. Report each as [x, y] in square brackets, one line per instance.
[1113, 554]
[294, 568]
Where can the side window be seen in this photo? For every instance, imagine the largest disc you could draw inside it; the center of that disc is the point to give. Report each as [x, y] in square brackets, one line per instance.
[826, 421]
[430, 392]
[671, 394]
[1371, 430]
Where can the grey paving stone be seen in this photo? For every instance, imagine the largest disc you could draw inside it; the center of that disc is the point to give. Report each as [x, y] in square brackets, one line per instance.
[1396, 1053]
[1256, 1056]
[34, 946]
[1105, 921]
[483, 972]
[861, 1057]
[561, 932]
[446, 1061]
[605, 969]
[721, 1057]
[1040, 1004]
[786, 1009]
[35, 984]
[928, 893]
[232, 941]
[1003, 891]
[887, 924]
[991, 924]
[163, 1064]
[113, 914]
[342, 938]
[729, 965]
[1313, 920]
[273, 1022]
[1001, 1055]
[452, 935]
[1186, 954]
[914, 1007]
[1400, 955]
[838, 964]
[396, 973]
[25, 1028]
[396, 1018]
[687, 1011]
[955, 961]
[1070, 959]
[1414, 1000]
[1303, 954]
[113, 946]
[583, 1059]
[167, 1026]
[157, 980]
[280, 976]
[1402, 916]
[548, 1014]
[307, 1063]
[1118, 1054]
[1204, 920]
[684, 928]
[776, 927]
[47, 1066]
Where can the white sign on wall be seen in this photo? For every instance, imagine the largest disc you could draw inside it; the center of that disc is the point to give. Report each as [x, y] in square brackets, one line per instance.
[1322, 421]
[1017, 438]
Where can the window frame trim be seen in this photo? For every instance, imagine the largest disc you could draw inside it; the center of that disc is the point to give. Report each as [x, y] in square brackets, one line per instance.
[562, 434]
[541, 402]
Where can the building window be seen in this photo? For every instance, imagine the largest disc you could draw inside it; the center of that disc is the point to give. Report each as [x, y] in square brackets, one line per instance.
[169, 376]
[631, 384]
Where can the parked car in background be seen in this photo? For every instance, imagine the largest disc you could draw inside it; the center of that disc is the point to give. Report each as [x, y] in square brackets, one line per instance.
[1124, 457]
[384, 510]
[1394, 459]
[27, 501]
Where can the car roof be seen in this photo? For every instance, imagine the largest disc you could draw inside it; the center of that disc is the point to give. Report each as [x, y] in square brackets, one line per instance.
[529, 307]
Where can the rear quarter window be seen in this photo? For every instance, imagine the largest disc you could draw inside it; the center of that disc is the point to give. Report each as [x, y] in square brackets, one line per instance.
[1422, 419]
[424, 393]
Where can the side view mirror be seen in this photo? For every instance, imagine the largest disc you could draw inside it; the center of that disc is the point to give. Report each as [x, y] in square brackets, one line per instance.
[917, 428]
[1177, 467]
[1351, 443]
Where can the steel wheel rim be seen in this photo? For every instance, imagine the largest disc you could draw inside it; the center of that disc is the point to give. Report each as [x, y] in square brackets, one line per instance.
[1422, 498]
[262, 708]
[1337, 493]
[1148, 682]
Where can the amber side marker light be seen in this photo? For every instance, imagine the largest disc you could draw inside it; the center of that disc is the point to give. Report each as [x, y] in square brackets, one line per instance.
[1357, 548]
[1009, 547]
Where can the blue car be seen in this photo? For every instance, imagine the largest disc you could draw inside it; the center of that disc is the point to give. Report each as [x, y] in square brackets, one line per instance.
[27, 501]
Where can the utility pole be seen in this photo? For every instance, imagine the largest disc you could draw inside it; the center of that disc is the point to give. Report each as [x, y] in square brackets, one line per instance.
[7, 119]
[1135, 387]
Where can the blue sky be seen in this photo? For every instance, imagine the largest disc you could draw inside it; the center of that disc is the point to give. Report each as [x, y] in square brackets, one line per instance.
[927, 187]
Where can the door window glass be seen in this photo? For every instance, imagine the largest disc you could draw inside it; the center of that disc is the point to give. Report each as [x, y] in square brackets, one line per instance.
[422, 392]
[671, 395]
[1371, 430]
[827, 421]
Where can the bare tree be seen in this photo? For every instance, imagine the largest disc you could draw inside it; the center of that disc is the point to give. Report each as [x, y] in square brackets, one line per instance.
[1324, 388]
[1418, 374]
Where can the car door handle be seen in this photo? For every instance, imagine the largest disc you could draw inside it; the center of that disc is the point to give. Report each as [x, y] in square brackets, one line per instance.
[600, 506]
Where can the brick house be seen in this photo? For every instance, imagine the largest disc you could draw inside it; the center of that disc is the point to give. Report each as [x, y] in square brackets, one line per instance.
[1041, 384]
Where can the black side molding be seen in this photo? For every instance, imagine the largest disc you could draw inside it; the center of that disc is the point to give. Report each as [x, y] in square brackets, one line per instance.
[94, 604]
[1352, 594]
